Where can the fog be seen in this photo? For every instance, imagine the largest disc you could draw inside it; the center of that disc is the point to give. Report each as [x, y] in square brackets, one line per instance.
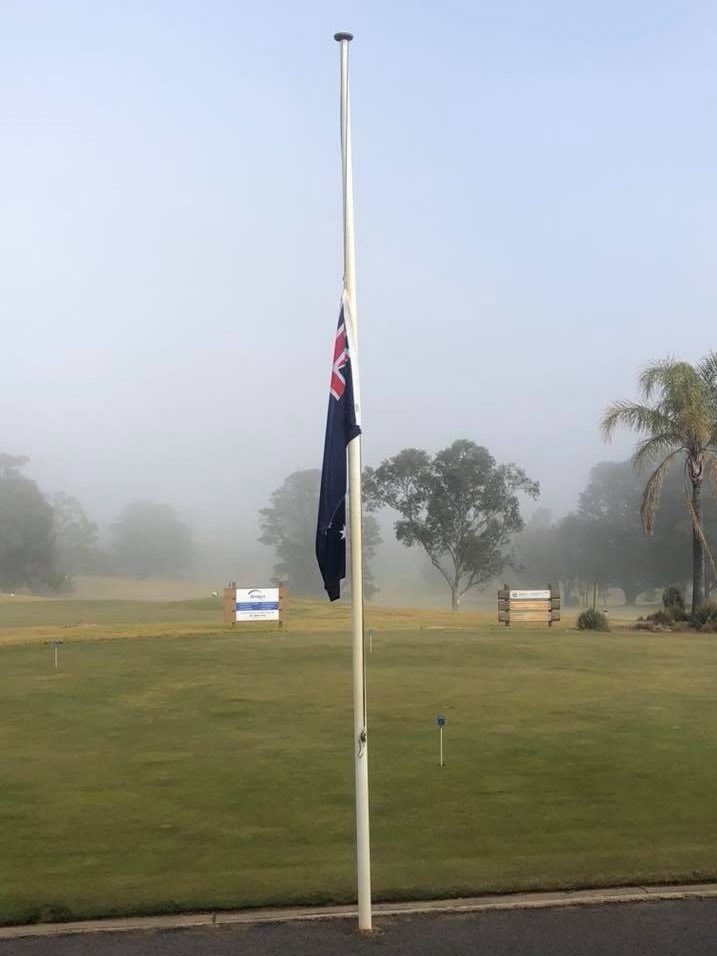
[536, 220]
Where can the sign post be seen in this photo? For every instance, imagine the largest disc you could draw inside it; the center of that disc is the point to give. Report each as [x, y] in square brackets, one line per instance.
[525, 606]
[243, 605]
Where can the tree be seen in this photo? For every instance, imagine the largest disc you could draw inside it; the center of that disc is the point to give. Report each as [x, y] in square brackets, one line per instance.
[12, 465]
[616, 552]
[572, 559]
[603, 541]
[149, 540]
[554, 553]
[678, 419]
[459, 506]
[537, 551]
[27, 541]
[670, 556]
[76, 535]
[289, 526]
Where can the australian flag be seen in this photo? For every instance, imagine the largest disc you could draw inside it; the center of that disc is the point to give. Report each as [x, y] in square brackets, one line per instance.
[341, 427]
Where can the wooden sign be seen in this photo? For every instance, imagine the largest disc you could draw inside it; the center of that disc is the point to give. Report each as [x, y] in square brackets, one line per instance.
[528, 606]
[253, 604]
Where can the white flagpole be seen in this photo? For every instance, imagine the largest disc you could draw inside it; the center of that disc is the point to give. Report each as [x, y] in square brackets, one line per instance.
[363, 845]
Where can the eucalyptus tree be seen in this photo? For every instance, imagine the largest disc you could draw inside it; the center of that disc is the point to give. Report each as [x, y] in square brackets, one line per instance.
[27, 539]
[288, 525]
[459, 505]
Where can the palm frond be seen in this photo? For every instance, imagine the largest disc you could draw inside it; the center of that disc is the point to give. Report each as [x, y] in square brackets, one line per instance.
[639, 418]
[710, 466]
[671, 382]
[653, 490]
[656, 376]
[707, 369]
[650, 448]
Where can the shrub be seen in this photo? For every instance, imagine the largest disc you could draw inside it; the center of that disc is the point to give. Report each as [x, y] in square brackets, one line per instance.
[662, 617]
[673, 597]
[676, 613]
[593, 620]
[673, 607]
[705, 617]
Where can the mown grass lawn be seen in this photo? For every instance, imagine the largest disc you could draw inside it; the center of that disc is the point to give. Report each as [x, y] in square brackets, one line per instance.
[216, 770]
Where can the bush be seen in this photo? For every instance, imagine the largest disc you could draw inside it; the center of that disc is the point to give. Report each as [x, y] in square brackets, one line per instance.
[705, 618]
[673, 607]
[673, 597]
[593, 620]
[662, 617]
[674, 612]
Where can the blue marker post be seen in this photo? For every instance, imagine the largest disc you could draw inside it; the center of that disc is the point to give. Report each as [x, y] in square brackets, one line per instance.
[441, 722]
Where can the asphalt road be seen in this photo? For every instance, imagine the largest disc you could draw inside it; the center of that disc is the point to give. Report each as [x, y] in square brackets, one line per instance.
[672, 928]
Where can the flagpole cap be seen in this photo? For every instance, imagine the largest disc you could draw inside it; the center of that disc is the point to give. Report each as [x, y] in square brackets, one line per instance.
[343, 36]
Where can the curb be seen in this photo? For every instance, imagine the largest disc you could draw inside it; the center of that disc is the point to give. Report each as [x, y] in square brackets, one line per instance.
[516, 901]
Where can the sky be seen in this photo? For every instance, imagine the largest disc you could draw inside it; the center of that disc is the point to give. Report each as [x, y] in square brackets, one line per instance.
[536, 219]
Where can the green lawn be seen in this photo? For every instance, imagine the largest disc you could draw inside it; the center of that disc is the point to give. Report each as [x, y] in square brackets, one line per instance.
[216, 770]
[69, 613]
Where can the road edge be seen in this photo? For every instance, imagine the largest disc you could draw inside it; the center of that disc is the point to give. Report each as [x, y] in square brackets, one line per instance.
[543, 900]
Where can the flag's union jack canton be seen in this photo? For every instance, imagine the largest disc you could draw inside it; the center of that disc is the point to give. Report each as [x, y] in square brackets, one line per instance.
[341, 427]
[338, 380]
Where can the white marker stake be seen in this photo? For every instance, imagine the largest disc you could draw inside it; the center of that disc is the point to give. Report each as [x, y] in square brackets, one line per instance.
[55, 645]
[440, 720]
[370, 641]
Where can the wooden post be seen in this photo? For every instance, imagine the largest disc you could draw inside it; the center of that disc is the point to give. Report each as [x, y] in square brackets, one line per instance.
[282, 603]
[554, 604]
[230, 597]
[504, 606]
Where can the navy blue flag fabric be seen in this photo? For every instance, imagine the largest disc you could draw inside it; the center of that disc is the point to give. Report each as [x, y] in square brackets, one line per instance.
[341, 427]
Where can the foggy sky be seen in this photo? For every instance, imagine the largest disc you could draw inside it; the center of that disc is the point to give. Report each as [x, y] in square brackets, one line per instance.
[535, 211]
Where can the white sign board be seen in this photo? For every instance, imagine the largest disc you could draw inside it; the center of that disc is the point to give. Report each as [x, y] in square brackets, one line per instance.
[257, 604]
[530, 595]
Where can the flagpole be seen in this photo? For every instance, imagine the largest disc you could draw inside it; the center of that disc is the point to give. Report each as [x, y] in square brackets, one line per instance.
[363, 846]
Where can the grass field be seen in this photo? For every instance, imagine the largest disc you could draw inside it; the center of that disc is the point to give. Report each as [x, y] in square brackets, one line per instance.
[213, 768]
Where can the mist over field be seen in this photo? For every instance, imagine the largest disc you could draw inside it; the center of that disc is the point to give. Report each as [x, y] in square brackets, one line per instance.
[535, 213]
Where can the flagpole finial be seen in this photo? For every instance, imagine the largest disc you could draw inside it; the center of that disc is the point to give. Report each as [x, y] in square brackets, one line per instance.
[343, 36]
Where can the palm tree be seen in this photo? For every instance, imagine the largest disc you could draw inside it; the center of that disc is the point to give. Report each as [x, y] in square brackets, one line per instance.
[678, 421]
